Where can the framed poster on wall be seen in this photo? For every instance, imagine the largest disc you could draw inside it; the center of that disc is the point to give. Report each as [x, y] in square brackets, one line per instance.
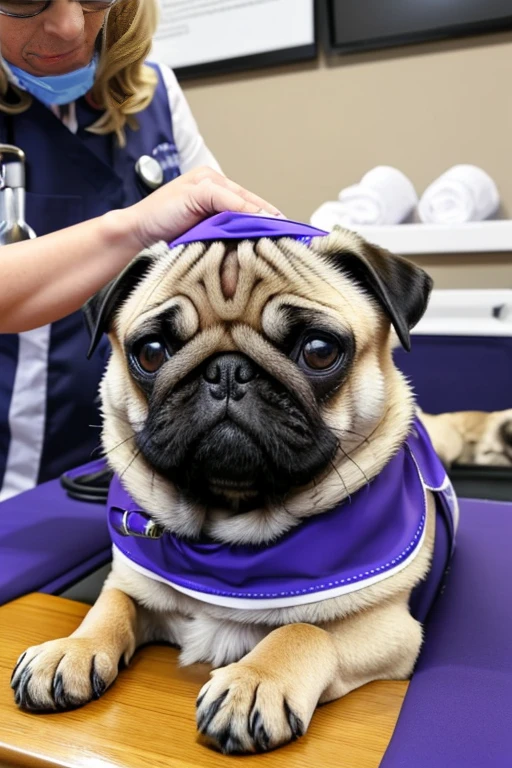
[207, 37]
[358, 25]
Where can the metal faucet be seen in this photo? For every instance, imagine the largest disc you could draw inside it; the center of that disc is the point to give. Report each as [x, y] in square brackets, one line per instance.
[13, 226]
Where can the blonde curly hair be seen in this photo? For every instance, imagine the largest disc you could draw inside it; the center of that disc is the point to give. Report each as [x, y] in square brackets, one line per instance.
[124, 85]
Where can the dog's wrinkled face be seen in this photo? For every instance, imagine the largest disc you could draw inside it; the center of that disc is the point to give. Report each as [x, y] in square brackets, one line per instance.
[245, 376]
[230, 428]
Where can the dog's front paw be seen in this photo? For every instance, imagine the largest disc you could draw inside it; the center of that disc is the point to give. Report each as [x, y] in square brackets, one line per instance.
[62, 674]
[246, 709]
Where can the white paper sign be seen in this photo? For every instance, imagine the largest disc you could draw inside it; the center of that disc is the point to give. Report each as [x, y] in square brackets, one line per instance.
[200, 31]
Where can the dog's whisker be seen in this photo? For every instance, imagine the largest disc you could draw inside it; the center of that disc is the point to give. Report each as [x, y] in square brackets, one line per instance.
[137, 453]
[333, 465]
[353, 461]
[283, 506]
[125, 470]
[115, 447]
[357, 434]
[343, 432]
[114, 415]
[367, 438]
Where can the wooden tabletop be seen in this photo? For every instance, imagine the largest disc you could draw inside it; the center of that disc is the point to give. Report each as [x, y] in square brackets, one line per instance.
[146, 720]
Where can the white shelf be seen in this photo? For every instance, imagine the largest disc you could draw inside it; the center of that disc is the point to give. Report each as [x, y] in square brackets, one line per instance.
[468, 313]
[474, 237]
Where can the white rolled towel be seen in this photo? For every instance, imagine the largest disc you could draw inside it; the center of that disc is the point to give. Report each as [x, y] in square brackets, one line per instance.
[461, 194]
[383, 196]
[329, 215]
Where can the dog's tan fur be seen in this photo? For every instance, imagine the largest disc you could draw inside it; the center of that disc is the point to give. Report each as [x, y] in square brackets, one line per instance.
[280, 662]
[472, 437]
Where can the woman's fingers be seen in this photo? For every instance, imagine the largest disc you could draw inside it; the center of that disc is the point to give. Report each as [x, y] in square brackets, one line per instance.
[261, 204]
[181, 204]
[208, 197]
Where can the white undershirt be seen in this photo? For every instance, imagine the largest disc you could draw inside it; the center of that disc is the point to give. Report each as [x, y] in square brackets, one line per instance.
[189, 142]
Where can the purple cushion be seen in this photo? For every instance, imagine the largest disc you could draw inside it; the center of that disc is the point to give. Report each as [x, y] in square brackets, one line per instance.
[476, 372]
[458, 709]
[49, 541]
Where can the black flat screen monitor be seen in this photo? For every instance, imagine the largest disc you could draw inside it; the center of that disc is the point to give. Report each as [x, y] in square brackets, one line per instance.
[356, 25]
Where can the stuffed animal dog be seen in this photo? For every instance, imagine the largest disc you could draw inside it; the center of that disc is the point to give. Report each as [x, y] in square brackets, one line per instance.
[277, 503]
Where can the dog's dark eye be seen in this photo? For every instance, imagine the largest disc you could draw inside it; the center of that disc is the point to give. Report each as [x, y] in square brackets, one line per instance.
[320, 354]
[150, 355]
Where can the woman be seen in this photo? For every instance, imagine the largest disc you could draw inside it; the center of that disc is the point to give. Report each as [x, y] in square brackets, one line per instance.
[78, 99]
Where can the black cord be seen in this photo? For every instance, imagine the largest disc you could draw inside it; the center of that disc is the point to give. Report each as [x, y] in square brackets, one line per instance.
[90, 487]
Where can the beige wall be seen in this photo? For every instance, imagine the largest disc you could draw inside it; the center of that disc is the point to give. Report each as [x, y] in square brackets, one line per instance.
[298, 134]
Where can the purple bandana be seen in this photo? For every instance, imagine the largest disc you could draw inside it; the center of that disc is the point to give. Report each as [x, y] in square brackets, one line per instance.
[244, 226]
[362, 541]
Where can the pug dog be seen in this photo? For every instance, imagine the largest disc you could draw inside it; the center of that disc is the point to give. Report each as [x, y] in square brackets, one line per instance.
[471, 438]
[250, 402]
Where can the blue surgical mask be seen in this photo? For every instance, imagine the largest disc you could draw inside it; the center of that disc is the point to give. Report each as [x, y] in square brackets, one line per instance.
[55, 89]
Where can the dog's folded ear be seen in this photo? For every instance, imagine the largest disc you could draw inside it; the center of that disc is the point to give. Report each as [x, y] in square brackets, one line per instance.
[100, 310]
[401, 288]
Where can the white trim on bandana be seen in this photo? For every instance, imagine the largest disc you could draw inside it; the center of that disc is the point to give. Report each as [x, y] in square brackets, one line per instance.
[324, 592]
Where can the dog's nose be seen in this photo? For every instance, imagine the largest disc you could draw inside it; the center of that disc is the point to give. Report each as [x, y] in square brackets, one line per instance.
[228, 376]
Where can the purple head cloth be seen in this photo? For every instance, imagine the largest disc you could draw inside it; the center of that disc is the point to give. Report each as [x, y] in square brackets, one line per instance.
[244, 226]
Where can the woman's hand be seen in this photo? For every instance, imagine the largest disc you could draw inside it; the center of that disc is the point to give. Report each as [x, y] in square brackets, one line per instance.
[45, 279]
[181, 204]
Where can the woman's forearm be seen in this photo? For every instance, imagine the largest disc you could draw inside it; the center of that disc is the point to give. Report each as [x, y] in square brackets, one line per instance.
[47, 278]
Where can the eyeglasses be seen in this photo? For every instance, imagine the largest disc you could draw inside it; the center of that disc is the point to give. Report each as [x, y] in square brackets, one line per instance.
[25, 9]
